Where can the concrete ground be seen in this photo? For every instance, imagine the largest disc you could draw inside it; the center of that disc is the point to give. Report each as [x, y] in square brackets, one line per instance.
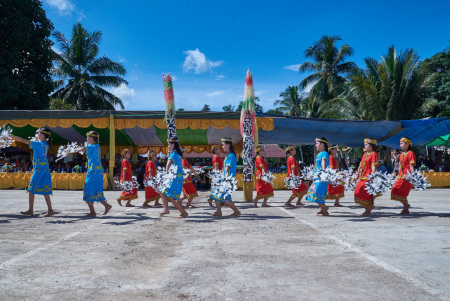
[272, 253]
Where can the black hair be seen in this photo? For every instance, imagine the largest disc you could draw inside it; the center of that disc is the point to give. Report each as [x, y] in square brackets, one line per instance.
[325, 144]
[47, 136]
[409, 146]
[93, 133]
[213, 151]
[231, 151]
[329, 151]
[176, 147]
[288, 152]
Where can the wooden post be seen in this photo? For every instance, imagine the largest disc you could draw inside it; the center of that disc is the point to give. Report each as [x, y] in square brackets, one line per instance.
[112, 151]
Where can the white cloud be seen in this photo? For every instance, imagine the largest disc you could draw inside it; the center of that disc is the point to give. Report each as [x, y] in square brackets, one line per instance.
[216, 93]
[81, 15]
[292, 67]
[174, 78]
[220, 76]
[64, 7]
[123, 92]
[197, 61]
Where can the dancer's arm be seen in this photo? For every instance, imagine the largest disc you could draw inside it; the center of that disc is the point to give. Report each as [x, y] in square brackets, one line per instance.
[20, 139]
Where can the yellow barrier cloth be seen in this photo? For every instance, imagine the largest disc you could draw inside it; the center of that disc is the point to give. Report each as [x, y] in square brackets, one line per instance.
[63, 181]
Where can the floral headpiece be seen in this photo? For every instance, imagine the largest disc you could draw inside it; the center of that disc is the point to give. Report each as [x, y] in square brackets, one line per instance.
[370, 141]
[93, 135]
[215, 147]
[260, 148]
[289, 148]
[44, 132]
[333, 147]
[125, 150]
[321, 140]
[407, 141]
[226, 140]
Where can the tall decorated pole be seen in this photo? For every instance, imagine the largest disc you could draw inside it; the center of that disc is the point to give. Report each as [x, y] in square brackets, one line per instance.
[248, 118]
[169, 117]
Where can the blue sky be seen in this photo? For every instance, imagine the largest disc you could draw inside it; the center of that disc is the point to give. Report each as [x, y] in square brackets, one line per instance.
[207, 46]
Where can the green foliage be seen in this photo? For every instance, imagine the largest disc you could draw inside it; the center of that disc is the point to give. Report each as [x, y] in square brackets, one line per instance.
[25, 55]
[228, 108]
[180, 110]
[292, 103]
[258, 107]
[275, 111]
[82, 74]
[206, 108]
[59, 104]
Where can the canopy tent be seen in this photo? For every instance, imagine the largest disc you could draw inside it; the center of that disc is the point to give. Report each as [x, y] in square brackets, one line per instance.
[303, 131]
[440, 141]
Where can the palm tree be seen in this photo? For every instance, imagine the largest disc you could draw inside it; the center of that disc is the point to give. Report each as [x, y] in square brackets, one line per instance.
[328, 68]
[292, 103]
[81, 74]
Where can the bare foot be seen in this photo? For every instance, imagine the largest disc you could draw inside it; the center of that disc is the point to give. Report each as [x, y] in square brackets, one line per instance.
[216, 214]
[90, 215]
[404, 212]
[190, 206]
[49, 213]
[265, 205]
[29, 212]
[183, 215]
[119, 201]
[255, 202]
[338, 205]
[146, 205]
[365, 213]
[299, 204]
[107, 208]
[323, 214]
[157, 204]
[129, 205]
[319, 213]
[210, 203]
[164, 212]
[235, 214]
[289, 205]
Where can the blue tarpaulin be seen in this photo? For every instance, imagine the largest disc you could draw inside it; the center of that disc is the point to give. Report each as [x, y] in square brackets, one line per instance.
[303, 131]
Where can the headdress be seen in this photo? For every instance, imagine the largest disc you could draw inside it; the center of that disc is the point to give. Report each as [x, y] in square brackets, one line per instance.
[370, 141]
[215, 147]
[289, 148]
[226, 140]
[124, 151]
[93, 135]
[260, 148]
[173, 140]
[333, 147]
[322, 140]
[44, 132]
[407, 141]
[151, 154]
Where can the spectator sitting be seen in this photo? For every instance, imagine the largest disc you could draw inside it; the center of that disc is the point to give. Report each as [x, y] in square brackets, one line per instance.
[381, 167]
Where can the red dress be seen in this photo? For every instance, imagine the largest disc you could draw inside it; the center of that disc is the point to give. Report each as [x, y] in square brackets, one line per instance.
[263, 189]
[150, 193]
[293, 169]
[334, 192]
[125, 175]
[189, 190]
[402, 187]
[217, 162]
[362, 197]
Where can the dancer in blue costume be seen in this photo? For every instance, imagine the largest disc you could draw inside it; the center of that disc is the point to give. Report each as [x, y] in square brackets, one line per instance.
[317, 192]
[41, 181]
[229, 167]
[173, 192]
[93, 186]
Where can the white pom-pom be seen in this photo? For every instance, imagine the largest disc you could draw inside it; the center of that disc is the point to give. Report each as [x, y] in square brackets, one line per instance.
[72, 147]
[126, 186]
[223, 185]
[198, 170]
[186, 173]
[329, 175]
[293, 182]
[5, 140]
[350, 180]
[165, 179]
[379, 183]
[307, 173]
[418, 180]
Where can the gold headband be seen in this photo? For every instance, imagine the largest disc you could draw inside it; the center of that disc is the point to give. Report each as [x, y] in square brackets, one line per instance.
[173, 140]
[93, 135]
[322, 140]
[289, 148]
[215, 147]
[124, 152]
[151, 154]
[406, 140]
[226, 140]
[332, 147]
[44, 132]
[370, 141]
[260, 148]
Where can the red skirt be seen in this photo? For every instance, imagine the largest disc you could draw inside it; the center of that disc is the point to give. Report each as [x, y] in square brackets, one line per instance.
[129, 196]
[263, 189]
[151, 195]
[189, 190]
[300, 191]
[335, 192]
[362, 197]
[401, 190]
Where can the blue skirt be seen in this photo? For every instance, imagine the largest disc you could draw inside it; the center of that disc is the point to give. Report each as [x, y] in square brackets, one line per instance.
[174, 191]
[93, 187]
[317, 192]
[41, 182]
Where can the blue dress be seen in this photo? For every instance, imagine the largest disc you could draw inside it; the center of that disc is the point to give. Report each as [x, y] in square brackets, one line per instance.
[317, 192]
[41, 180]
[174, 191]
[230, 161]
[93, 186]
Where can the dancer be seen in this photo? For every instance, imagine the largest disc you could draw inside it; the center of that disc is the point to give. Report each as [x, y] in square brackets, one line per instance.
[229, 169]
[41, 181]
[173, 192]
[334, 192]
[150, 172]
[402, 187]
[189, 190]
[317, 192]
[125, 175]
[368, 165]
[217, 164]
[264, 190]
[292, 166]
[93, 186]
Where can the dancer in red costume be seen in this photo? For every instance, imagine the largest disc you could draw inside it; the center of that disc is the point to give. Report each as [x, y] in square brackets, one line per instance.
[189, 190]
[368, 165]
[334, 192]
[150, 171]
[264, 190]
[292, 166]
[402, 187]
[125, 175]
